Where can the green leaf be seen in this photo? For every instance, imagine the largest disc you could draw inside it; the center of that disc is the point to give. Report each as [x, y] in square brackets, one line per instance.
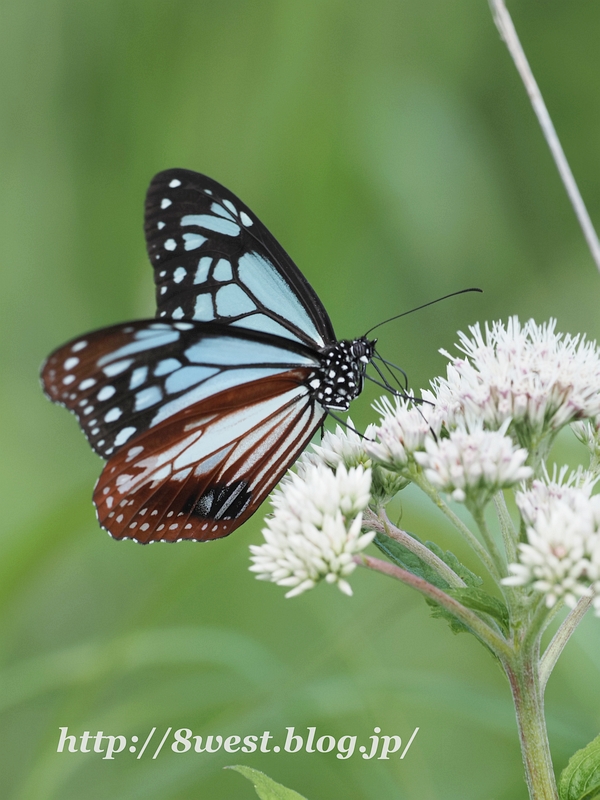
[452, 561]
[470, 596]
[403, 557]
[580, 779]
[439, 612]
[266, 788]
[483, 603]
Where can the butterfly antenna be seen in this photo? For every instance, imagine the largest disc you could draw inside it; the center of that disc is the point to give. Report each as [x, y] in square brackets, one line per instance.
[418, 308]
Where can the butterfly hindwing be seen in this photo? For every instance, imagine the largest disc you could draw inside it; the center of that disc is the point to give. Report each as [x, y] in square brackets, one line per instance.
[214, 260]
[200, 474]
[123, 380]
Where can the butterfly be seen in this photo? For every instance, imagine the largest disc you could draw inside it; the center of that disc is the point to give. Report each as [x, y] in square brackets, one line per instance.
[200, 411]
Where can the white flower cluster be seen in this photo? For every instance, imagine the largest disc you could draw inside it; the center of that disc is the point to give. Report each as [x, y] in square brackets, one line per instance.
[472, 464]
[342, 447]
[561, 558]
[315, 530]
[539, 379]
[403, 430]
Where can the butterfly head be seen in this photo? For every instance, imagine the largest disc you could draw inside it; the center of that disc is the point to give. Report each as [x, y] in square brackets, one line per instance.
[342, 372]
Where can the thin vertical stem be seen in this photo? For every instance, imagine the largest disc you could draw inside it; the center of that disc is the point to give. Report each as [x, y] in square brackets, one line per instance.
[560, 639]
[509, 535]
[488, 539]
[508, 33]
[529, 707]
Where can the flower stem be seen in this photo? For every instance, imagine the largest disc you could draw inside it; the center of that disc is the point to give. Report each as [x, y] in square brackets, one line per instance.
[483, 554]
[509, 535]
[499, 562]
[527, 695]
[560, 639]
[496, 643]
[382, 524]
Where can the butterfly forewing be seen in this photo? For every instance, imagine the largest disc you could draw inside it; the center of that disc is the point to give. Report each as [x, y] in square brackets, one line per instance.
[215, 261]
[123, 380]
[201, 474]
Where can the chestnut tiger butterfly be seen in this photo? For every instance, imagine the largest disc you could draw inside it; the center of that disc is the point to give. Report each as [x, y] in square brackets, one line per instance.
[200, 411]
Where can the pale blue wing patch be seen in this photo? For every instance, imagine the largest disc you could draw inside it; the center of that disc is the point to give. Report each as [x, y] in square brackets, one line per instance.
[187, 376]
[166, 366]
[212, 223]
[204, 265]
[149, 339]
[203, 308]
[223, 271]
[260, 322]
[209, 250]
[232, 301]
[148, 397]
[229, 350]
[192, 241]
[218, 383]
[267, 286]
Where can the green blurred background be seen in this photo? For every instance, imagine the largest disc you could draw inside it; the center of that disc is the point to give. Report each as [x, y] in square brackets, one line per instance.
[391, 149]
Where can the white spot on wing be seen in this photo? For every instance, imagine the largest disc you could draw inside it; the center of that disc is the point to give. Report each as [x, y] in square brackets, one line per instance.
[123, 435]
[71, 362]
[160, 225]
[106, 393]
[68, 379]
[245, 219]
[165, 202]
[147, 397]
[132, 453]
[178, 313]
[138, 376]
[113, 414]
[117, 368]
[79, 346]
[179, 274]
[170, 244]
[87, 383]
[175, 183]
